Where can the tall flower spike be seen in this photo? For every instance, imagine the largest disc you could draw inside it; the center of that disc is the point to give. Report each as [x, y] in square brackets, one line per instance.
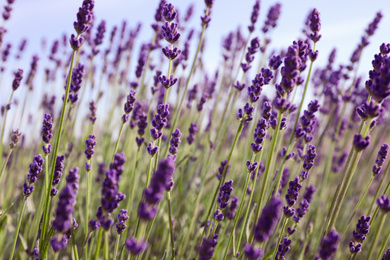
[18, 78]
[134, 247]
[382, 154]
[267, 220]
[224, 194]
[315, 25]
[175, 141]
[35, 169]
[254, 15]
[15, 137]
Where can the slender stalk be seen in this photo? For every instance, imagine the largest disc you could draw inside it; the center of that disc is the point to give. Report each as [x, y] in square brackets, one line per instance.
[46, 214]
[358, 204]
[377, 231]
[267, 170]
[383, 247]
[170, 224]
[238, 133]
[285, 220]
[116, 246]
[244, 223]
[17, 229]
[88, 199]
[3, 129]
[105, 250]
[238, 213]
[5, 163]
[117, 141]
[177, 113]
[98, 244]
[379, 188]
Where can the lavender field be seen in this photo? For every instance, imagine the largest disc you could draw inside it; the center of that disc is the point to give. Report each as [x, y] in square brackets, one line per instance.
[120, 146]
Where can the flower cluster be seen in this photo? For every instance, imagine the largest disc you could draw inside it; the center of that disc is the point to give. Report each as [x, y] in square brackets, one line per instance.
[159, 121]
[89, 152]
[359, 235]
[160, 182]
[308, 122]
[329, 245]
[110, 196]
[249, 57]
[122, 218]
[382, 154]
[58, 169]
[34, 169]
[192, 132]
[83, 23]
[134, 247]
[224, 194]
[128, 106]
[15, 137]
[75, 85]
[18, 78]
[206, 250]
[267, 220]
[175, 141]
[63, 221]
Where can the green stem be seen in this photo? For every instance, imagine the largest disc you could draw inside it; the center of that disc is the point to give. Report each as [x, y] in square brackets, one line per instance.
[105, 250]
[244, 223]
[98, 244]
[377, 231]
[383, 247]
[267, 170]
[17, 229]
[358, 204]
[46, 215]
[5, 163]
[170, 224]
[117, 246]
[177, 113]
[238, 133]
[285, 220]
[88, 199]
[3, 129]
[117, 141]
[238, 213]
[378, 189]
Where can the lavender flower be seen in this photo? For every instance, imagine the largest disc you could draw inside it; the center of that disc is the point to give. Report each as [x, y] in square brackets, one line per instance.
[206, 250]
[175, 141]
[309, 192]
[121, 224]
[231, 210]
[33, 71]
[92, 109]
[382, 154]
[283, 248]
[15, 137]
[259, 135]
[360, 143]
[64, 211]
[134, 247]
[47, 128]
[384, 203]
[272, 17]
[58, 168]
[301, 211]
[159, 121]
[249, 56]
[161, 181]
[386, 255]
[254, 15]
[192, 132]
[251, 252]
[308, 122]
[84, 19]
[359, 235]
[315, 25]
[224, 194]
[222, 168]
[18, 78]
[128, 106]
[75, 85]
[218, 215]
[267, 220]
[34, 169]
[329, 245]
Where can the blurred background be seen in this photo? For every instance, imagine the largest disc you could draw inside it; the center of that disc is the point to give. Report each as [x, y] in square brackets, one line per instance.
[42, 22]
